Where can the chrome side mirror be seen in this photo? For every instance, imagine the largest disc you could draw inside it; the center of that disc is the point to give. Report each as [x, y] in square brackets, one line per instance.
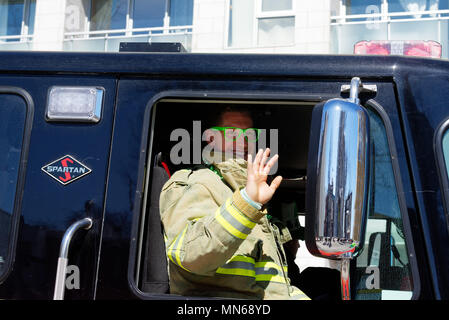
[338, 180]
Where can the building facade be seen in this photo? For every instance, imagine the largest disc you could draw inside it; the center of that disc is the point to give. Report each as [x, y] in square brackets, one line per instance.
[225, 26]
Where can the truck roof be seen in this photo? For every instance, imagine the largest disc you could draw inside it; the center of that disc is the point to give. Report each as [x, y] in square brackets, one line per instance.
[338, 66]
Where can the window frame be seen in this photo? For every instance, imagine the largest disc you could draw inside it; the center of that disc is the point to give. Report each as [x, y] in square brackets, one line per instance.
[129, 22]
[24, 35]
[259, 14]
[119, 31]
[145, 161]
[443, 171]
[374, 105]
[15, 218]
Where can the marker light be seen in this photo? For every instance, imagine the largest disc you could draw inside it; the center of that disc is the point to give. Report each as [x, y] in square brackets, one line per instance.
[430, 49]
[78, 104]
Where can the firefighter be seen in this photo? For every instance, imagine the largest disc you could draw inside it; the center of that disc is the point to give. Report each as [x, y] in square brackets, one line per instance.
[220, 242]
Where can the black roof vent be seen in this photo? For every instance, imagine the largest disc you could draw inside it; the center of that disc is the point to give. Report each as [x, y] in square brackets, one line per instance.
[151, 47]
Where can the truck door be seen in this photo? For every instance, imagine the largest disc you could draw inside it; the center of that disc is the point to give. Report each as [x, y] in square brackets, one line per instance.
[53, 168]
[157, 115]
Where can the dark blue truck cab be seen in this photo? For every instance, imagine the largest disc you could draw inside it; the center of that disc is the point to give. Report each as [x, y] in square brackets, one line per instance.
[60, 164]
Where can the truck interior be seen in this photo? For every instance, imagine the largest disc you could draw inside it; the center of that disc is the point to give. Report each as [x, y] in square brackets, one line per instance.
[292, 119]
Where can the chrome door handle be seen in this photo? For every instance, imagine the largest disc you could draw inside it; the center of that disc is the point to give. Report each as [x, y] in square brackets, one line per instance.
[61, 270]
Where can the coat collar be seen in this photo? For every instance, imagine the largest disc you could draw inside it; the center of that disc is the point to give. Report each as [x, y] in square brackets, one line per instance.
[233, 171]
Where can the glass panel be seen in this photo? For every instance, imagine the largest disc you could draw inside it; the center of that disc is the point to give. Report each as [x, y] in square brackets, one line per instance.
[11, 15]
[276, 5]
[12, 121]
[386, 200]
[75, 16]
[414, 6]
[446, 150]
[181, 12]
[14, 46]
[439, 5]
[344, 37]
[444, 36]
[31, 16]
[276, 31]
[88, 44]
[149, 13]
[414, 30]
[241, 13]
[383, 270]
[363, 6]
[108, 15]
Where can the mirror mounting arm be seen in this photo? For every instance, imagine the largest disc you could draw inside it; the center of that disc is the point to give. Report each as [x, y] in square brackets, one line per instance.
[354, 90]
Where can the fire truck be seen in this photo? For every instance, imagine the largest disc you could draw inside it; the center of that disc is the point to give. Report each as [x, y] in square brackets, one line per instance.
[86, 145]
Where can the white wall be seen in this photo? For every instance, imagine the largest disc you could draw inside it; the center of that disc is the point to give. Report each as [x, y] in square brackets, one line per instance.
[312, 27]
[49, 25]
[209, 17]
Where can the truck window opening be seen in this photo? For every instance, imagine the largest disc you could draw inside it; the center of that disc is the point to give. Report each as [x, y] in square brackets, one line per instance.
[374, 279]
[287, 127]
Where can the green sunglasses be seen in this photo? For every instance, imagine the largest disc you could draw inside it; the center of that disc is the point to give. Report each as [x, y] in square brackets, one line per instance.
[233, 133]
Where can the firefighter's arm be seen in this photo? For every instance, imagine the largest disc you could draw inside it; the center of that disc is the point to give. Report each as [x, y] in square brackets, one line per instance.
[202, 235]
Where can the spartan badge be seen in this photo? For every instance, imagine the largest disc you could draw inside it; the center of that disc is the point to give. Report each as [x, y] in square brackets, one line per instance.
[66, 169]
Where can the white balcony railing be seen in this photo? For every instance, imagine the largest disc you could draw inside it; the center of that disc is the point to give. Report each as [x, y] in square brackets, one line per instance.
[16, 42]
[346, 30]
[109, 40]
[385, 17]
[106, 40]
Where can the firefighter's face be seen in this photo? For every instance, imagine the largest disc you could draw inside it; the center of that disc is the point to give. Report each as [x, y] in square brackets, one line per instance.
[234, 141]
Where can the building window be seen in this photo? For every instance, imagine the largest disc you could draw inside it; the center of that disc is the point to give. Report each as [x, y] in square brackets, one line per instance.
[136, 14]
[363, 6]
[101, 25]
[396, 9]
[16, 19]
[108, 14]
[181, 12]
[416, 6]
[360, 6]
[261, 23]
[149, 13]
[276, 31]
[393, 9]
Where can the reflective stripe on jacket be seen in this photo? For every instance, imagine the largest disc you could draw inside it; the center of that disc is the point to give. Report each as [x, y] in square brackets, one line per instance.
[218, 244]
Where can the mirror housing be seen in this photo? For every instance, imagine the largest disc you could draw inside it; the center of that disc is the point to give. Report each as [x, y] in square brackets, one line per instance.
[338, 178]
